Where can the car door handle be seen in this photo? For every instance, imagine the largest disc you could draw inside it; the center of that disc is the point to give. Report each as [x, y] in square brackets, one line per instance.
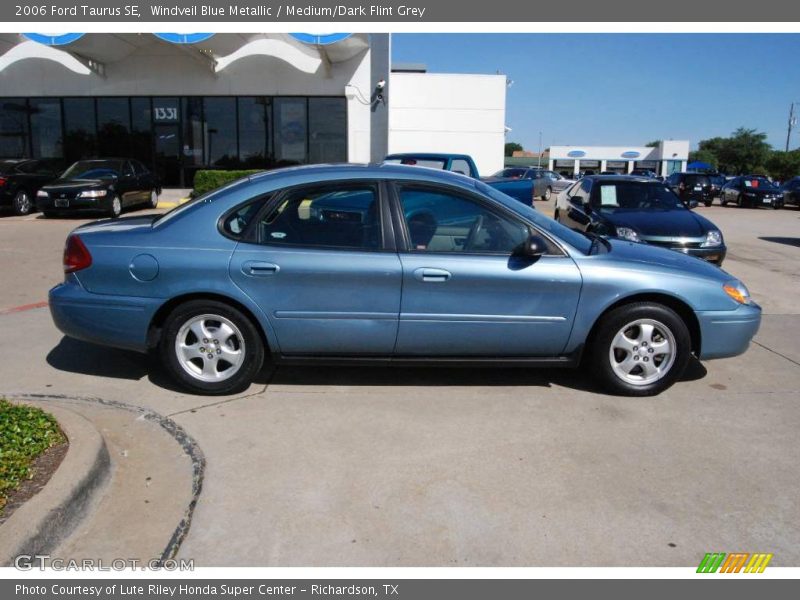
[259, 269]
[428, 275]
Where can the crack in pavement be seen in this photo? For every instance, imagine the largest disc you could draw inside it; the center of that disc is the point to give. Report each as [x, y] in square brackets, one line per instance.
[220, 403]
[791, 360]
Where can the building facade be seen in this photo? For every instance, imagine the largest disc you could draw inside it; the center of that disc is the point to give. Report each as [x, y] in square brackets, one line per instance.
[667, 157]
[180, 103]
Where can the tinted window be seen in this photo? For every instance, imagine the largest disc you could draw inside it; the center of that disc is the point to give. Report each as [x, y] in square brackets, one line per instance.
[46, 127]
[14, 136]
[431, 163]
[291, 128]
[254, 131]
[91, 169]
[511, 173]
[327, 130]
[341, 217]
[697, 180]
[138, 167]
[113, 125]
[757, 183]
[80, 127]
[621, 196]
[440, 221]
[220, 131]
[238, 220]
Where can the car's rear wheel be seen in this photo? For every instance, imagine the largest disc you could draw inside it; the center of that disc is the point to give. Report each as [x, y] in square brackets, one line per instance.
[708, 202]
[547, 193]
[114, 206]
[722, 201]
[22, 203]
[640, 349]
[211, 348]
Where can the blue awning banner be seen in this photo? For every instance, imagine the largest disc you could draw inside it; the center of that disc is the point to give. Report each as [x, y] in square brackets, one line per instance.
[320, 39]
[183, 38]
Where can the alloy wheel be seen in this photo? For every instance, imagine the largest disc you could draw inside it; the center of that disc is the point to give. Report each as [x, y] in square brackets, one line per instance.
[210, 348]
[642, 352]
[22, 203]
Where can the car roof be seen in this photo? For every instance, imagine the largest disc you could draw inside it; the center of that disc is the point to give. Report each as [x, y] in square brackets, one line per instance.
[428, 155]
[326, 172]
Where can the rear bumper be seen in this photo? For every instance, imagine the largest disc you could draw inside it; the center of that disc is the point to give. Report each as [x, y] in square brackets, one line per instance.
[118, 321]
[727, 333]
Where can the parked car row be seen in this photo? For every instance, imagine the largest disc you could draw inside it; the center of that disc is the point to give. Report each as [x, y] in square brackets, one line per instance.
[545, 182]
[105, 185]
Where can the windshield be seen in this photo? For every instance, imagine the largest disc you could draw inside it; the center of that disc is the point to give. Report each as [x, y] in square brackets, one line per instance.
[431, 163]
[93, 169]
[618, 196]
[573, 238]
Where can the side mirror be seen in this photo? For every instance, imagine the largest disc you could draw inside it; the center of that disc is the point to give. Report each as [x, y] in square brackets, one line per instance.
[533, 247]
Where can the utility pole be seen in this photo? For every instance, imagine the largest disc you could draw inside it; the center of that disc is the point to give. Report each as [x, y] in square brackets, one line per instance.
[539, 160]
[792, 123]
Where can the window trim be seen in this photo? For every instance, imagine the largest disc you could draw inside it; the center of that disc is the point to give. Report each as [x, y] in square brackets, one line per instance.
[250, 234]
[404, 238]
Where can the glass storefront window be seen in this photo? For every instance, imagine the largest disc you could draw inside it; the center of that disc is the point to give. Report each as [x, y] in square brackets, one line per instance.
[80, 125]
[219, 115]
[113, 126]
[14, 134]
[192, 152]
[291, 130]
[255, 146]
[327, 125]
[46, 127]
[142, 130]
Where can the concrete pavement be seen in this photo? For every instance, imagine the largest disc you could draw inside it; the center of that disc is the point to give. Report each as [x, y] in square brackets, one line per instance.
[317, 466]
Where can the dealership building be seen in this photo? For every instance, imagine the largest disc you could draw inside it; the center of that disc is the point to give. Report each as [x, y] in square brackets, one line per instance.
[183, 102]
[665, 158]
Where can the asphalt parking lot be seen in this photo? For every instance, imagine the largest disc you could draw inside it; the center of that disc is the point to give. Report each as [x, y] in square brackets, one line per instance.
[417, 467]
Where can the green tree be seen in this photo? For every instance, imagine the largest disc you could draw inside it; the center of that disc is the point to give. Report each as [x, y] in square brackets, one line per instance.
[783, 165]
[653, 144]
[706, 156]
[512, 147]
[744, 152]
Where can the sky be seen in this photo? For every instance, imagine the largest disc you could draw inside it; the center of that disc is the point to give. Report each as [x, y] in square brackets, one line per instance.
[627, 89]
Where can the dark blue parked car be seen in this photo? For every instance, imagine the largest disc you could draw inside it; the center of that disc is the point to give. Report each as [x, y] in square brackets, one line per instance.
[390, 265]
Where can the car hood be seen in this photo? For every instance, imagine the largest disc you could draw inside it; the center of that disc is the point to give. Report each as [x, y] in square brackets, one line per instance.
[76, 184]
[668, 223]
[634, 252]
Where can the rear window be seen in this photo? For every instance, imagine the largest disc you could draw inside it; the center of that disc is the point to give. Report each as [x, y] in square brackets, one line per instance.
[431, 163]
[698, 180]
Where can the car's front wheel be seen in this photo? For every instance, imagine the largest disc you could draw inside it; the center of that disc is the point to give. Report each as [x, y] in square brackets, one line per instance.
[547, 193]
[114, 207]
[22, 203]
[640, 349]
[211, 348]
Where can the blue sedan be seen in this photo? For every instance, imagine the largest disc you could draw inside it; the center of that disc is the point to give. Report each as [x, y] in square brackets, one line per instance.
[389, 264]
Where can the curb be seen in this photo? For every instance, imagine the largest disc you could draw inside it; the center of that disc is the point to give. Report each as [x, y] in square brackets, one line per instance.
[42, 522]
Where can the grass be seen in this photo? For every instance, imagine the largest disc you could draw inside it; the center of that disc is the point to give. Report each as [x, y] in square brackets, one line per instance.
[25, 433]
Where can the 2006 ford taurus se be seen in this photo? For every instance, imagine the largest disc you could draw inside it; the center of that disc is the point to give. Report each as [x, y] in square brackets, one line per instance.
[388, 264]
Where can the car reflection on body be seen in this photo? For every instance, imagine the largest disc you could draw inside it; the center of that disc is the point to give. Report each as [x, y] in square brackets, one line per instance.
[382, 265]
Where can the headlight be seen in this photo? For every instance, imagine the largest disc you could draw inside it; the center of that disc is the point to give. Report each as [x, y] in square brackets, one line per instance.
[92, 194]
[42, 194]
[627, 233]
[713, 238]
[737, 291]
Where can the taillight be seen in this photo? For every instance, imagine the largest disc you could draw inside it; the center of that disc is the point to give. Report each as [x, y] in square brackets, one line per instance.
[76, 255]
[3, 181]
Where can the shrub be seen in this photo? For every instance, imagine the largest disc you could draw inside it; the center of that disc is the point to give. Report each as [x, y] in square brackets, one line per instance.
[207, 180]
[25, 432]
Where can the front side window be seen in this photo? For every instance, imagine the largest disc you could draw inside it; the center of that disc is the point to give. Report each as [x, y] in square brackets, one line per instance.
[340, 217]
[443, 221]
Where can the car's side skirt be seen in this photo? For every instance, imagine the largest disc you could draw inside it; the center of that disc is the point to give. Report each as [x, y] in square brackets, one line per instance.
[431, 361]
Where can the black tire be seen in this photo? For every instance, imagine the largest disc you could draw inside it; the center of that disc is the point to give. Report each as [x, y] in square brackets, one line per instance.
[556, 215]
[23, 203]
[114, 209]
[708, 202]
[49, 214]
[600, 347]
[547, 193]
[722, 201]
[252, 348]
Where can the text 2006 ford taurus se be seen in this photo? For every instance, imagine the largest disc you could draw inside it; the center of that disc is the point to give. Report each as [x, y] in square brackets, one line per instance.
[390, 264]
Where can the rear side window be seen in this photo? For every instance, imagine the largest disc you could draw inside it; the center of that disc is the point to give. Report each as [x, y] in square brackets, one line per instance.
[237, 222]
[339, 217]
[459, 165]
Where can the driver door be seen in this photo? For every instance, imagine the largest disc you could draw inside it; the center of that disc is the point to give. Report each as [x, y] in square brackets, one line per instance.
[464, 292]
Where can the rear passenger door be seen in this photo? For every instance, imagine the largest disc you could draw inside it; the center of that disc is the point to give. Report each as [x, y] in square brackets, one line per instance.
[320, 262]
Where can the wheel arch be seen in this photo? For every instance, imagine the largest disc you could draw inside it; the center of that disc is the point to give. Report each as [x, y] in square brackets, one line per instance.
[684, 311]
[160, 316]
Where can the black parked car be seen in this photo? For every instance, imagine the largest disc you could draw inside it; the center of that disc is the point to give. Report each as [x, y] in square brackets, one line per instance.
[692, 186]
[751, 191]
[791, 191]
[107, 185]
[641, 210]
[20, 179]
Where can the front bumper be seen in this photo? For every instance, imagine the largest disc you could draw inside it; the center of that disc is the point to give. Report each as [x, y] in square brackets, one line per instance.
[725, 333]
[118, 321]
[74, 204]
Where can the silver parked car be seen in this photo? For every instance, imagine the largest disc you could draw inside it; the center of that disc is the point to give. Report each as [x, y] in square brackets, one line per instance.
[545, 182]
